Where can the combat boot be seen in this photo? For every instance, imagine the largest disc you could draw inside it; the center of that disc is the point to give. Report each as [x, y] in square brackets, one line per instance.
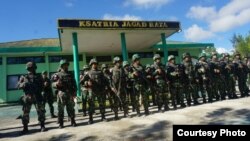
[183, 105]
[25, 129]
[53, 116]
[60, 123]
[204, 100]
[146, 112]
[42, 126]
[104, 118]
[166, 108]
[73, 122]
[196, 102]
[90, 119]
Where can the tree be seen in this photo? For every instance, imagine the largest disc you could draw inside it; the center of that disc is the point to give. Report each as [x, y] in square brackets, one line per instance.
[241, 44]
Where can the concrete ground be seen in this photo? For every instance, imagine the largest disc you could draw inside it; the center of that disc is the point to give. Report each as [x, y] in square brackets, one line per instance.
[157, 126]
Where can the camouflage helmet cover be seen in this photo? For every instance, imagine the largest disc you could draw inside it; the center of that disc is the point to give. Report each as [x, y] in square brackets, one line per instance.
[64, 61]
[116, 59]
[125, 63]
[156, 56]
[186, 54]
[31, 65]
[104, 66]
[92, 61]
[135, 57]
[202, 55]
[171, 57]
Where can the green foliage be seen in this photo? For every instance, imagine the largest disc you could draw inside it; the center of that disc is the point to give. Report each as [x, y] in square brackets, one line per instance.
[241, 44]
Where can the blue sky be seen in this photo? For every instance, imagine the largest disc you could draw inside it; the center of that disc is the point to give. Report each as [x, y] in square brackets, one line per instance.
[212, 21]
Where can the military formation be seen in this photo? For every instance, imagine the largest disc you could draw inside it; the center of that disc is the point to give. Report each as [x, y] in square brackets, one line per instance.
[166, 86]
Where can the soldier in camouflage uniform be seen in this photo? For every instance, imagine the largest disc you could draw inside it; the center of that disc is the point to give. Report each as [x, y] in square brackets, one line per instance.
[149, 86]
[241, 71]
[84, 89]
[65, 83]
[191, 90]
[218, 84]
[160, 84]
[96, 83]
[32, 85]
[228, 74]
[203, 74]
[175, 75]
[118, 86]
[138, 78]
[129, 84]
[48, 93]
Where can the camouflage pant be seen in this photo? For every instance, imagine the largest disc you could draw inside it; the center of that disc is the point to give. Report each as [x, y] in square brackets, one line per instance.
[176, 91]
[65, 99]
[230, 86]
[87, 97]
[101, 98]
[140, 91]
[121, 98]
[48, 97]
[243, 86]
[191, 92]
[218, 88]
[205, 87]
[161, 96]
[27, 103]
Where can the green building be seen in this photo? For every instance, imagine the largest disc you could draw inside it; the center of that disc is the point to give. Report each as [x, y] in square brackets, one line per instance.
[81, 40]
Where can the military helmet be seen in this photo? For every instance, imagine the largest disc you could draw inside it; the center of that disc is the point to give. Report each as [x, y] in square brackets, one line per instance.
[116, 59]
[148, 66]
[214, 54]
[92, 61]
[186, 54]
[64, 61]
[156, 56]
[85, 67]
[125, 63]
[44, 72]
[31, 65]
[171, 57]
[135, 57]
[237, 53]
[202, 55]
[104, 66]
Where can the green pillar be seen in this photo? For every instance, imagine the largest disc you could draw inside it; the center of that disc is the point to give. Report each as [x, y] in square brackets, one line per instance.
[4, 79]
[124, 47]
[76, 62]
[47, 62]
[164, 46]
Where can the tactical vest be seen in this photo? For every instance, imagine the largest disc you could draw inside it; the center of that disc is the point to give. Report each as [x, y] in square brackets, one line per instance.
[96, 77]
[68, 81]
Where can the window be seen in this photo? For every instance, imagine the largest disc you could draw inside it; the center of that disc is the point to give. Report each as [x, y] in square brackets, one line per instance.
[24, 60]
[54, 59]
[175, 53]
[88, 58]
[142, 54]
[103, 58]
[1, 61]
[12, 81]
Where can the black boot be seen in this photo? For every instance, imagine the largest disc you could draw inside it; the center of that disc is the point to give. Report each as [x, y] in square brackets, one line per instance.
[166, 108]
[104, 118]
[73, 122]
[42, 126]
[25, 129]
[204, 100]
[60, 123]
[90, 119]
[116, 116]
[53, 115]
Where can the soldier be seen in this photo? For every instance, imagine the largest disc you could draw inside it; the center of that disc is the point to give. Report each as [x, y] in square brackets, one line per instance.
[129, 84]
[241, 72]
[149, 86]
[190, 81]
[160, 79]
[137, 75]
[96, 82]
[65, 83]
[203, 74]
[228, 74]
[84, 89]
[48, 93]
[218, 84]
[175, 75]
[32, 85]
[118, 86]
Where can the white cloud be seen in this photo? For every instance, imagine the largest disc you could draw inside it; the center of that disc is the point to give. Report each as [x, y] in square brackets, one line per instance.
[196, 33]
[221, 50]
[69, 3]
[232, 15]
[147, 3]
[125, 17]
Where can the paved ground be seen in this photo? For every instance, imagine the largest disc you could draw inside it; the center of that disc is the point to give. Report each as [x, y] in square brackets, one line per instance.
[157, 126]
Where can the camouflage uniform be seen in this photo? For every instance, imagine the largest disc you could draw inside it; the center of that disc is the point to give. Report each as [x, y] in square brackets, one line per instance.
[118, 85]
[149, 84]
[241, 71]
[204, 78]
[84, 89]
[228, 74]
[218, 84]
[191, 90]
[138, 78]
[96, 83]
[65, 83]
[48, 93]
[32, 85]
[175, 75]
[160, 86]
